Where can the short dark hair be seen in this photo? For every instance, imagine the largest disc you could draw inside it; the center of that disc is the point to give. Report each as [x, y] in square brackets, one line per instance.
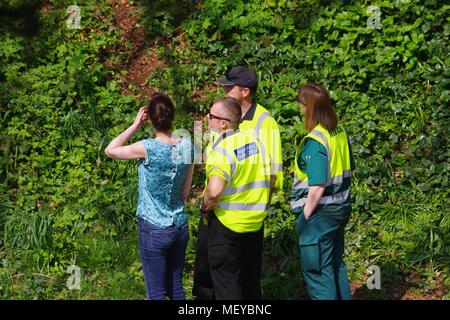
[232, 108]
[161, 112]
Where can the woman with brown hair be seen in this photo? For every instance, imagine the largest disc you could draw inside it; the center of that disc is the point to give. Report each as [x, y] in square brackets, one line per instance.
[165, 176]
[321, 195]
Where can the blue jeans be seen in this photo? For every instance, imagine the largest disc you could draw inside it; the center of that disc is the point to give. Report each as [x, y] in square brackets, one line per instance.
[162, 254]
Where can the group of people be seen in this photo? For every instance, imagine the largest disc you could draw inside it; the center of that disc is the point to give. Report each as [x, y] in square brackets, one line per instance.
[243, 169]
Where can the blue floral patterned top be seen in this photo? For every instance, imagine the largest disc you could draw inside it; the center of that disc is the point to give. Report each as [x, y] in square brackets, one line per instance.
[161, 179]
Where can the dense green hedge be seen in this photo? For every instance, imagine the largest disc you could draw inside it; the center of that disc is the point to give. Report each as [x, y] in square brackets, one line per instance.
[63, 202]
[59, 107]
[391, 90]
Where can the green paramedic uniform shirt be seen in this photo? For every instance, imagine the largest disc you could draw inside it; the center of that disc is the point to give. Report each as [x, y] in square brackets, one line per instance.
[313, 161]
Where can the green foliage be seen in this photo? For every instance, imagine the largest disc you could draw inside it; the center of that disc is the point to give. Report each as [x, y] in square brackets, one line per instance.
[57, 105]
[162, 16]
[62, 202]
[390, 87]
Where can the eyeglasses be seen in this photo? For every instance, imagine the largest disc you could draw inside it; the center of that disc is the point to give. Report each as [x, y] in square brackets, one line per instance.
[211, 116]
[229, 88]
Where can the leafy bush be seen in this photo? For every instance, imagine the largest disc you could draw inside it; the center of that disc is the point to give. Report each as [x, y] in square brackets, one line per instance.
[390, 87]
[62, 202]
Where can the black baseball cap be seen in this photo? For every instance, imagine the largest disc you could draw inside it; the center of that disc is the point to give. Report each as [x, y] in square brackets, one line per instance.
[240, 75]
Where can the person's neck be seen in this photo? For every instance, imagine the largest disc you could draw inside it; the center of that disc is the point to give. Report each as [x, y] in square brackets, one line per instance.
[245, 105]
[227, 130]
[166, 136]
[163, 134]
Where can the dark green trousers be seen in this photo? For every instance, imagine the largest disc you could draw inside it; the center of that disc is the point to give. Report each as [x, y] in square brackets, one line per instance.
[321, 241]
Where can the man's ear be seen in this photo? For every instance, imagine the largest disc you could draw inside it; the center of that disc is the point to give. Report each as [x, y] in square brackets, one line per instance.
[245, 92]
[224, 125]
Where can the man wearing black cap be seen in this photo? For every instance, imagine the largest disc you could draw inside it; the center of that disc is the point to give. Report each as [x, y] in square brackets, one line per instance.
[241, 83]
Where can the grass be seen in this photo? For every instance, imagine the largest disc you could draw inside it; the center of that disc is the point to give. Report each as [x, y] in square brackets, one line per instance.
[112, 270]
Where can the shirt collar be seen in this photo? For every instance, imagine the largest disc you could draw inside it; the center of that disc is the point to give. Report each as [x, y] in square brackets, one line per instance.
[224, 135]
[250, 113]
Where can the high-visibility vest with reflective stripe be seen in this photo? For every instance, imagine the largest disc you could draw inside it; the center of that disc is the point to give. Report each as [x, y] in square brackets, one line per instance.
[243, 203]
[337, 188]
[264, 127]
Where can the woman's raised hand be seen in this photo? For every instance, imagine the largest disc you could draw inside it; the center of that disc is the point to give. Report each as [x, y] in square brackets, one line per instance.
[141, 117]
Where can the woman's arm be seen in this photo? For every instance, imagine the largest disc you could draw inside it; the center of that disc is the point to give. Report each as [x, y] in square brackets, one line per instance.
[314, 195]
[188, 182]
[116, 148]
[315, 157]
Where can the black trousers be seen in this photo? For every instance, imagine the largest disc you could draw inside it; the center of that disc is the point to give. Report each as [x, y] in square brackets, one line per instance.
[228, 263]
[203, 287]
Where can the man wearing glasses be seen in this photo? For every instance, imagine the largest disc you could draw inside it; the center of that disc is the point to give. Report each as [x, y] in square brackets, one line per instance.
[241, 83]
[234, 206]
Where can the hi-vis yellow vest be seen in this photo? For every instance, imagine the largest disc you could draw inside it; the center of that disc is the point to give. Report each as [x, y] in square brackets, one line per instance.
[263, 127]
[337, 188]
[237, 158]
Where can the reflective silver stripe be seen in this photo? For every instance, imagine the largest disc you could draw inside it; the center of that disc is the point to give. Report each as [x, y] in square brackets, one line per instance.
[248, 186]
[297, 204]
[299, 184]
[263, 150]
[229, 157]
[335, 180]
[243, 206]
[324, 139]
[340, 179]
[262, 117]
[276, 167]
[221, 170]
[258, 125]
[338, 197]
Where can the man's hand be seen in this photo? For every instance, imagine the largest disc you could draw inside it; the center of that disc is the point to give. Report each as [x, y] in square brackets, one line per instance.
[212, 194]
[205, 214]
